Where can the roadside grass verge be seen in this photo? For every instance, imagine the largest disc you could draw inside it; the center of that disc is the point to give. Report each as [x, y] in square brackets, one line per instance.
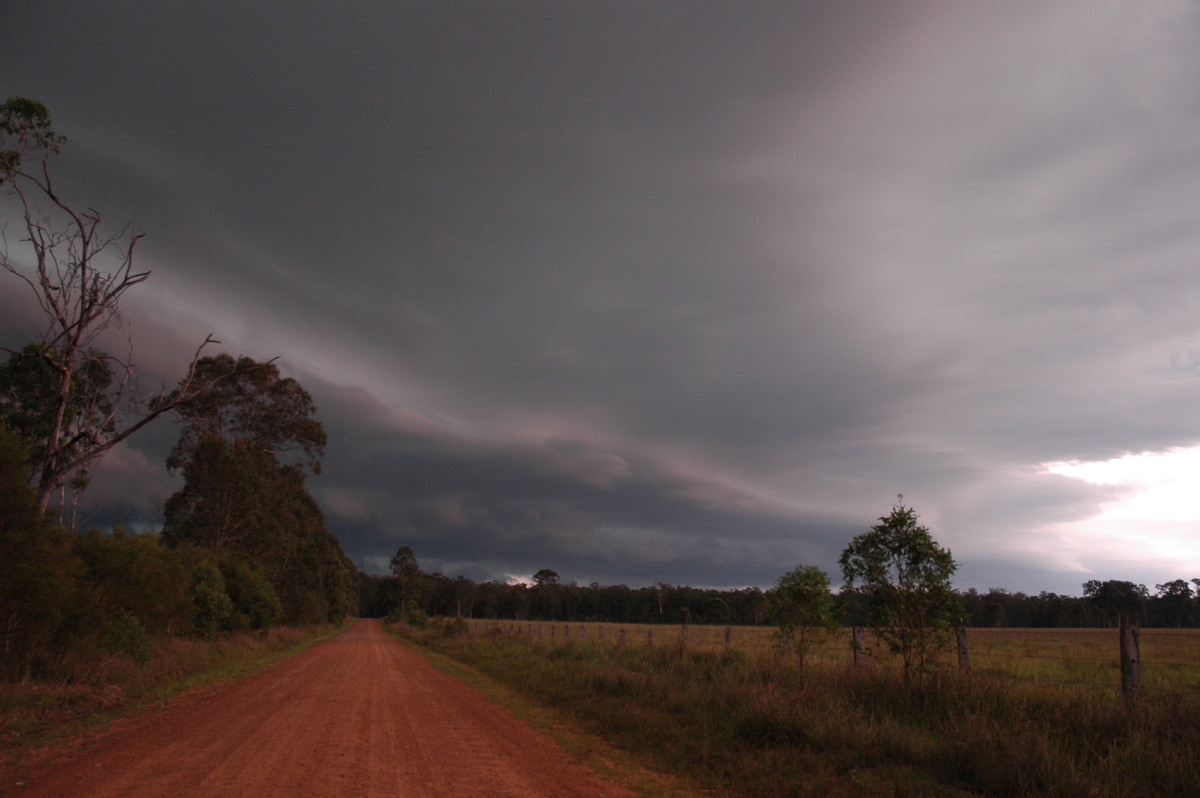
[94, 687]
[754, 724]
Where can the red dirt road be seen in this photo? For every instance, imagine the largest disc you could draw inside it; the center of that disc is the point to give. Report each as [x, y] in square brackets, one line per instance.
[357, 715]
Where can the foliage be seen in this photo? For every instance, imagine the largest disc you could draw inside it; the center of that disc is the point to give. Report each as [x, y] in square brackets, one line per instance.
[78, 276]
[249, 404]
[136, 574]
[213, 607]
[546, 577]
[1117, 599]
[802, 606]
[904, 577]
[256, 604]
[127, 636]
[28, 130]
[406, 575]
[41, 572]
[238, 497]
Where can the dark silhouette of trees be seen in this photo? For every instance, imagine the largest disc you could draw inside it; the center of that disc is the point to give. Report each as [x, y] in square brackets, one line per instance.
[40, 571]
[78, 273]
[1118, 600]
[239, 496]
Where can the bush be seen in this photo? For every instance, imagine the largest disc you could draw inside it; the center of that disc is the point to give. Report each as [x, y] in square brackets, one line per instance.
[214, 608]
[127, 637]
[256, 604]
[41, 572]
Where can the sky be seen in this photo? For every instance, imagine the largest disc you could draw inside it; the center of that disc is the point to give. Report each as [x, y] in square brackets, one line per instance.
[681, 292]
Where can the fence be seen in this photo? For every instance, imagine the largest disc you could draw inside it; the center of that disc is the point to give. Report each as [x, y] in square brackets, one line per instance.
[1131, 659]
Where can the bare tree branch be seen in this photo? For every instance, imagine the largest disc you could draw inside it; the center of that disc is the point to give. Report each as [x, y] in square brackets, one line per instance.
[79, 277]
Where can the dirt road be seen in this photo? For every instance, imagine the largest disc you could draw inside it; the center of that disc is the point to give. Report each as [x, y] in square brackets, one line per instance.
[358, 715]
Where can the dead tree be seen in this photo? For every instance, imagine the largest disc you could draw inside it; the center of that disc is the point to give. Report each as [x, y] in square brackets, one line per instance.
[78, 273]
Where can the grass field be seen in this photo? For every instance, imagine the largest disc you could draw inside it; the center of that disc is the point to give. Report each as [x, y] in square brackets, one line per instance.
[1071, 658]
[1041, 713]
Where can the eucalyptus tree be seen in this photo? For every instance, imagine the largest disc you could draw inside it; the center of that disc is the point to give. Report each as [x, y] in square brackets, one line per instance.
[903, 575]
[246, 445]
[78, 272]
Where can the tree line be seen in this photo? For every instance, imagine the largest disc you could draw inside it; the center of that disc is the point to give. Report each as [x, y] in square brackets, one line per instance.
[1174, 604]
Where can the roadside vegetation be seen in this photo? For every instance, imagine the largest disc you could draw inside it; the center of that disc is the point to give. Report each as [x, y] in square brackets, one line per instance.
[94, 685]
[93, 621]
[759, 724]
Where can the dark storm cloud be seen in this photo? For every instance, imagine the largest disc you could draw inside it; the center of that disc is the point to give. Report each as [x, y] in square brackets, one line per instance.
[661, 291]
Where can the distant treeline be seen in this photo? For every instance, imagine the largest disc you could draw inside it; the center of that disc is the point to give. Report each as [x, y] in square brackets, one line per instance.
[1174, 604]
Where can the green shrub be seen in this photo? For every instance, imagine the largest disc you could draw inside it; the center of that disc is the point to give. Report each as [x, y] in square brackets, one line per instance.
[126, 636]
[214, 608]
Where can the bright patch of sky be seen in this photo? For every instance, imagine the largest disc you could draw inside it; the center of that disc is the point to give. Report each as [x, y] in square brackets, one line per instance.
[1154, 512]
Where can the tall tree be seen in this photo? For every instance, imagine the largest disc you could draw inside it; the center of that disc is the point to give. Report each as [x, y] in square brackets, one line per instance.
[405, 574]
[904, 576]
[78, 273]
[251, 404]
[245, 446]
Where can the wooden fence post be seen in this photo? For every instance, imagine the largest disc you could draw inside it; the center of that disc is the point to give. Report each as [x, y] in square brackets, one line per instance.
[858, 647]
[728, 637]
[964, 656]
[1130, 661]
[650, 638]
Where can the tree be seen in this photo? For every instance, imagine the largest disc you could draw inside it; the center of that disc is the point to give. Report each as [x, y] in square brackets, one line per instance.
[547, 595]
[250, 403]
[904, 577]
[78, 275]
[1176, 603]
[405, 572]
[802, 606]
[239, 496]
[230, 440]
[28, 386]
[41, 572]
[1118, 600]
[546, 577]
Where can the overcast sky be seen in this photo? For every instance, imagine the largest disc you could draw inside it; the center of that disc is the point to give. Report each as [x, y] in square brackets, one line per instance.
[667, 291]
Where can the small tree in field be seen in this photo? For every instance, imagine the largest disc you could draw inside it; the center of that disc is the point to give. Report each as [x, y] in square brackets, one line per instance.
[904, 577]
[802, 606]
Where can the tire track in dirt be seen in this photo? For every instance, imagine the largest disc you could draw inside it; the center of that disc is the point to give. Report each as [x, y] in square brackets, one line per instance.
[357, 715]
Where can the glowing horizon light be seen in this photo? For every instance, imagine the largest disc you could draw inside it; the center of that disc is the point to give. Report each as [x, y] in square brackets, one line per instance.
[1163, 485]
[1154, 514]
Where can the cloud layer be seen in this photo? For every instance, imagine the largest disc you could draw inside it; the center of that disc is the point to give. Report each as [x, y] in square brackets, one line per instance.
[664, 292]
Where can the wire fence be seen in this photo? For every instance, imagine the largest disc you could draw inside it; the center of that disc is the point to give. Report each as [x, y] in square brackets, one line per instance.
[1162, 660]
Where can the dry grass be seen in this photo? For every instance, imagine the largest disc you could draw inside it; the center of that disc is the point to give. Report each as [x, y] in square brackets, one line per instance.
[93, 686]
[750, 723]
[1070, 658]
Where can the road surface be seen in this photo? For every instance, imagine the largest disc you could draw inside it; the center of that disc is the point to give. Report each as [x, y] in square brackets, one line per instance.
[357, 715]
